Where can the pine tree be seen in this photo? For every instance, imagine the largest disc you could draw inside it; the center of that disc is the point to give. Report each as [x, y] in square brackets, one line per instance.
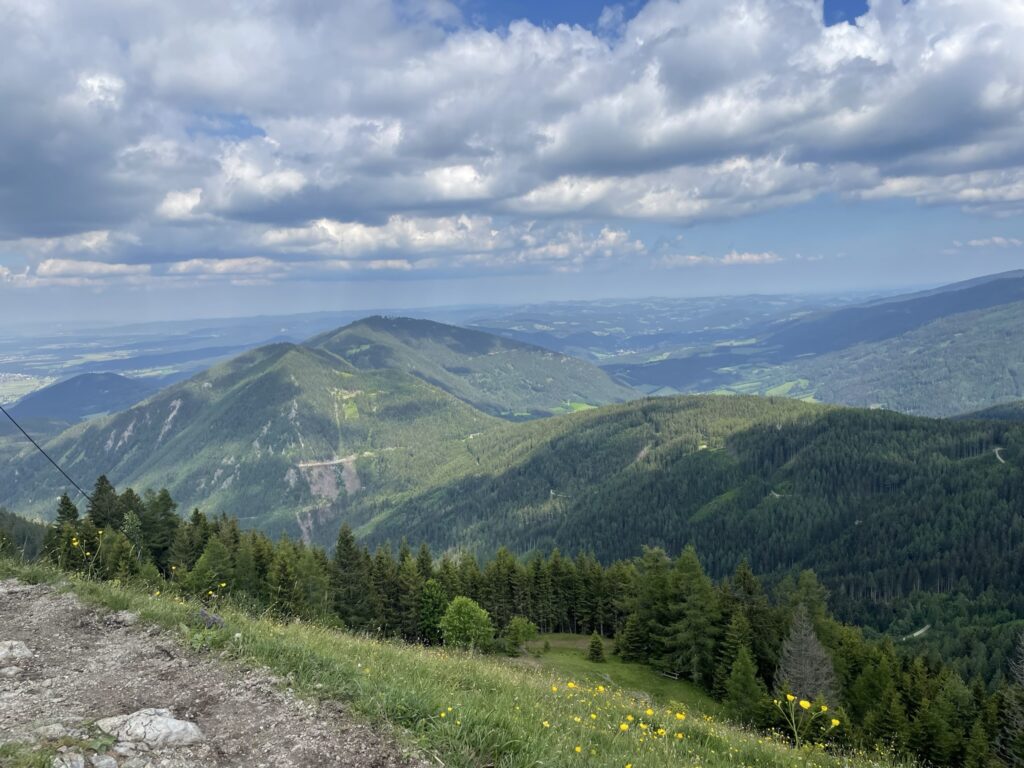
[67, 512]
[352, 582]
[805, 666]
[688, 645]
[104, 509]
[160, 523]
[425, 562]
[433, 603]
[1010, 740]
[745, 694]
[632, 643]
[737, 636]
[595, 650]
[212, 573]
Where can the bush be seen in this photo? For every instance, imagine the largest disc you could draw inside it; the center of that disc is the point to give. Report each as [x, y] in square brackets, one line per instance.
[466, 625]
[520, 631]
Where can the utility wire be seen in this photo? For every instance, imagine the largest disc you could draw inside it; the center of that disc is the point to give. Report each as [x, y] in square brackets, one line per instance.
[40, 449]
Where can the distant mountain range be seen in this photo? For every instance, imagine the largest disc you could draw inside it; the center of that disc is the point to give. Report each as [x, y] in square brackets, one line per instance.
[941, 352]
[58, 406]
[285, 436]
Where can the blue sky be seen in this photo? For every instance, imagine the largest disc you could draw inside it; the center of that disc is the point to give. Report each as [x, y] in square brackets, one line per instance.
[197, 159]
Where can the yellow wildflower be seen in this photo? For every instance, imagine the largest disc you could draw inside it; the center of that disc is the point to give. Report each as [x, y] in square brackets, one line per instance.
[623, 727]
[805, 704]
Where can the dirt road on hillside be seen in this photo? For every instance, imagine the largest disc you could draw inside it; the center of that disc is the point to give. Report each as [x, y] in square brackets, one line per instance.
[64, 666]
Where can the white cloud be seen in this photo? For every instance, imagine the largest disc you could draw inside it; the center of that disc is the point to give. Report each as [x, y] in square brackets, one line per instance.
[180, 205]
[730, 259]
[996, 242]
[254, 265]
[73, 268]
[403, 134]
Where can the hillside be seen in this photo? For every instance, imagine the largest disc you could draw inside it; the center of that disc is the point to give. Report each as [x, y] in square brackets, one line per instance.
[1007, 411]
[279, 437]
[499, 376]
[67, 402]
[877, 503]
[937, 353]
[285, 437]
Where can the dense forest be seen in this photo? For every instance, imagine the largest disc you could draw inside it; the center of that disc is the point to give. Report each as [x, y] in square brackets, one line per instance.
[760, 651]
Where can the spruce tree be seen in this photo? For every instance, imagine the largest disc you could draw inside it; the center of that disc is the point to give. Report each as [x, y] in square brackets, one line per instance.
[805, 666]
[104, 509]
[745, 694]
[433, 603]
[352, 582]
[1010, 740]
[67, 512]
[212, 574]
[595, 650]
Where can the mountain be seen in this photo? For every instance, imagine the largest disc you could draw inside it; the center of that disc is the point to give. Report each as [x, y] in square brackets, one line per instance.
[1006, 411]
[80, 397]
[937, 353]
[879, 504]
[287, 436]
[499, 376]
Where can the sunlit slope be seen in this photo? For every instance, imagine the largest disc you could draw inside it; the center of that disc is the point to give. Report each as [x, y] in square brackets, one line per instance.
[499, 376]
[876, 502]
[282, 437]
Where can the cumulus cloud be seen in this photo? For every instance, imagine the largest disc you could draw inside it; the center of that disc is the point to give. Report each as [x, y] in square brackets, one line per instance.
[402, 137]
[995, 242]
[730, 259]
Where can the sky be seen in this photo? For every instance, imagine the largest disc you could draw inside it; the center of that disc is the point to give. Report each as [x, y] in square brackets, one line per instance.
[194, 159]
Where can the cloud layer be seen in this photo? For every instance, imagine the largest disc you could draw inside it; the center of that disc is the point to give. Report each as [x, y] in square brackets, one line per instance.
[314, 139]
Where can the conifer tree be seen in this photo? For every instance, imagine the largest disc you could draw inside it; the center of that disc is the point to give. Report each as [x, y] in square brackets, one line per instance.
[352, 582]
[160, 523]
[738, 635]
[689, 643]
[1010, 741]
[104, 510]
[745, 694]
[595, 650]
[805, 666]
[67, 512]
[212, 573]
[433, 603]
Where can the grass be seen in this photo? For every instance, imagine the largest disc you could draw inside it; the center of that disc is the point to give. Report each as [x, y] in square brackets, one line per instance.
[466, 710]
[567, 657]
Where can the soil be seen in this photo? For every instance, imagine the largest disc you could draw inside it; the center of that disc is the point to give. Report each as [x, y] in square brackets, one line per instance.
[88, 664]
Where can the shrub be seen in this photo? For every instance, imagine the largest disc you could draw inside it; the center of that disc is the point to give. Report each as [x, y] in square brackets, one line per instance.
[466, 625]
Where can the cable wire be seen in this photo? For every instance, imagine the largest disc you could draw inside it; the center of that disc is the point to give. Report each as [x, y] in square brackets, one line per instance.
[40, 449]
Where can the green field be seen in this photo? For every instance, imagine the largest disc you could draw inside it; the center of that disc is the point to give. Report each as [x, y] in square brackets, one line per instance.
[567, 657]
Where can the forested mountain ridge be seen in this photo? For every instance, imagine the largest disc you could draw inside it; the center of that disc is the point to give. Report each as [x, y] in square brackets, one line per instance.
[500, 376]
[284, 437]
[879, 504]
[936, 353]
[279, 437]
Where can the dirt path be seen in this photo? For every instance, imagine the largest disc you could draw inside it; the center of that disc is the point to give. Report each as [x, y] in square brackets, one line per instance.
[999, 455]
[87, 665]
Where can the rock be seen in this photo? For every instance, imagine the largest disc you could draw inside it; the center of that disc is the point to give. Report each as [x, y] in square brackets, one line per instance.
[123, 619]
[154, 729]
[52, 731]
[10, 671]
[103, 761]
[111, 725]
[137, 762]
[14, 649]
[69, 760]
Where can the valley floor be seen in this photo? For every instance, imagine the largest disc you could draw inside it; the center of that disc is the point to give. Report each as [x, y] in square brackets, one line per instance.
[87, 664]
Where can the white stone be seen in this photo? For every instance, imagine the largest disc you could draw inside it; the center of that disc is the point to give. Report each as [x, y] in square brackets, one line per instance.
[156, 728]
[10, 671]
[111, 725]
[52, 731]
[14, 649]
[125, 618]
[103, 761]
[69, 760]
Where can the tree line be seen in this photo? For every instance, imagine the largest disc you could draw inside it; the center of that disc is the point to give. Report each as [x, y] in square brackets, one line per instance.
[764, 653]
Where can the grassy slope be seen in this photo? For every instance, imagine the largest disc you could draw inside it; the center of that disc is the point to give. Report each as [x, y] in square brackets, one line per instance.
[499, 376]
[230, 439]
[494, 713]
[957, 364]
[528, 485]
